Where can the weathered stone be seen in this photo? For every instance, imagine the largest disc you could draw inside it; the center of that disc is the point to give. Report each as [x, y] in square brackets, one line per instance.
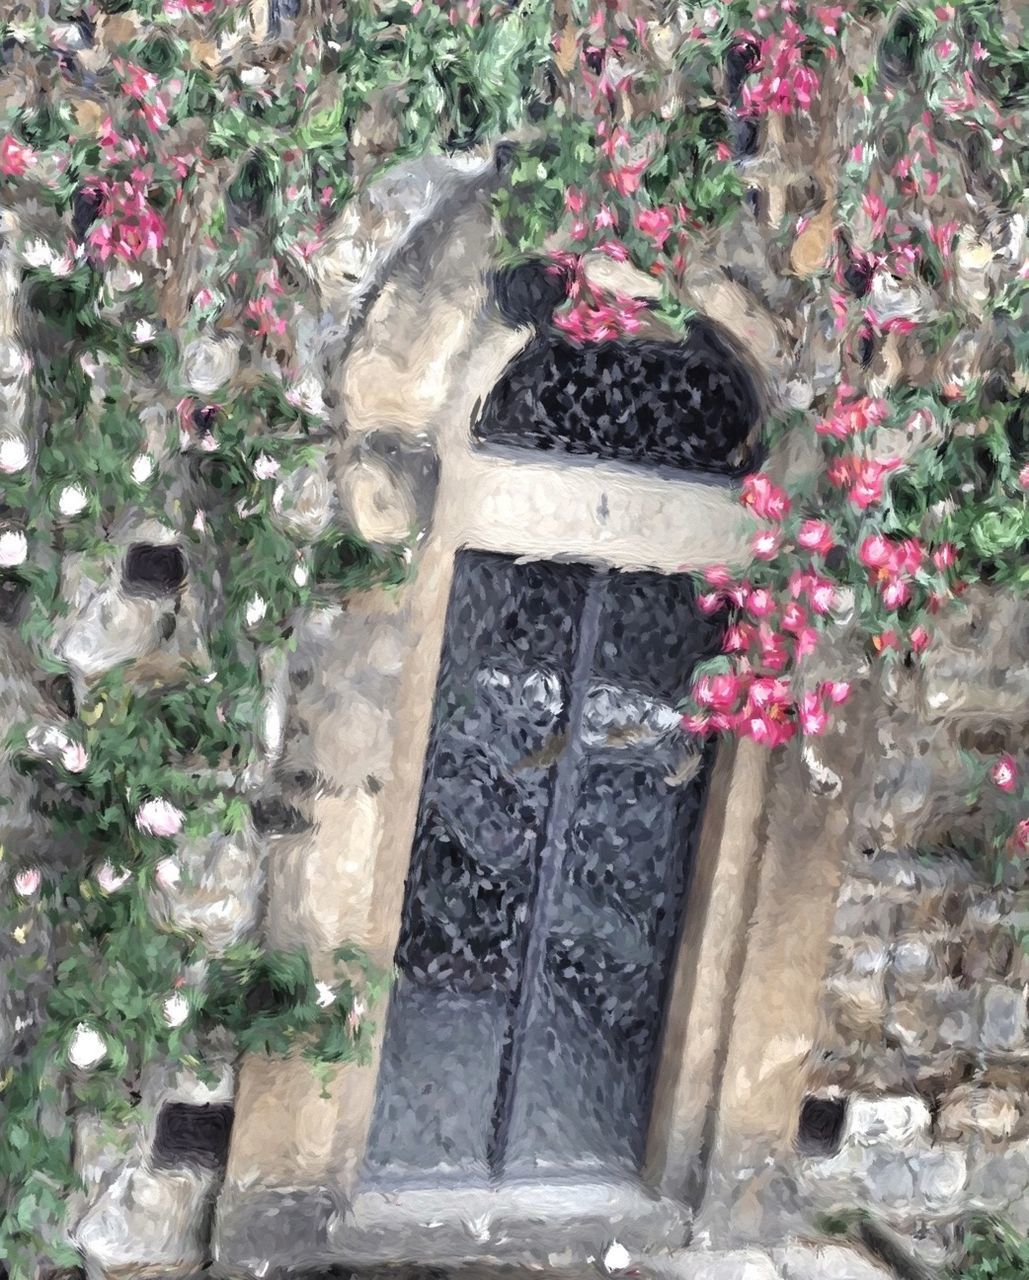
[303, 500]
[218, 889]
[978, 667]
[812, 1261]
[148, 1219]
[1005, 1019]
[896, 1121]
[973, 1109]
[940, 1178]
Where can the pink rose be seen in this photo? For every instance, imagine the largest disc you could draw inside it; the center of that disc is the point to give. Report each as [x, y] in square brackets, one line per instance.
[1004, 773]
[27, 882]
[816, 535]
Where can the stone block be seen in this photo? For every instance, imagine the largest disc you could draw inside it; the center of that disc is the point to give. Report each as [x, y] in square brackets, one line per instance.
[811, 1261]
[973, 1109]
[1005, 1019]
[736, 1264]
[940, 1178]
[896, 1121]
[147, 1219]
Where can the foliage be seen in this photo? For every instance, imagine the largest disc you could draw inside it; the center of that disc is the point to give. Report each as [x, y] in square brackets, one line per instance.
[993, 1251]
[624, 137]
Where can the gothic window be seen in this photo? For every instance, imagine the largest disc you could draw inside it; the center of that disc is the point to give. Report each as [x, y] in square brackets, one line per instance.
[689, 405]
[557, 821]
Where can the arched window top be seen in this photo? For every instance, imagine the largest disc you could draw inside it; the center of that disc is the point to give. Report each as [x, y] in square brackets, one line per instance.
[690, 405]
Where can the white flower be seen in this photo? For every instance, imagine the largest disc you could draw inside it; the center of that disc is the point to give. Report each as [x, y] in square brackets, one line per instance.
[142, 468]
[256, 608]
[14, 456]
[168, 873]
[38, 254]
[144, 331]
[159, 818]
[87, 1047]
[27, 882]
[617, 1257]
[14, 548]
[253, 75]
[74, 757]
[176, 1009]
[62, 266]
[72, 500]
[265, 467]
[110, 880]
[300, 574]
[199, 523]
[326, 995]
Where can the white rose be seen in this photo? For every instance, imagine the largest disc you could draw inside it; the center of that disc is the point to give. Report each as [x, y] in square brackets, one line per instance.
[300, 574]
[87, 1047]
[14, 456]
[168, 873]
[176, 1009]
[142, 468]
[326, 995]
[265, 467]
[256, 609]
[38, 254]
[159, 818]
[72, 500]
[14, 548]
[110, 880]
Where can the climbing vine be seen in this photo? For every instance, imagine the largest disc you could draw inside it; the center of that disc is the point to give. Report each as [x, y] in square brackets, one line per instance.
[167, 188]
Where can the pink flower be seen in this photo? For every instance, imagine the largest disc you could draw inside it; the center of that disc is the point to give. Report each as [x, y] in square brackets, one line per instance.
[895, 592]
[656, 224]
[868, 477]
[907, 556]
[1004, 773]
[720, 693]
[14, 157]
[813, 716]
[717, 575]
[168, 873]
[837, 691]
[27, 882]
[794, 616]
[760, 602]
[1020, 837]
[919, 639]
[159, 818]
[816, 535]
[764, 498]
[944, 556]
[885, 640]
[766, 543]
[821, 595]
[737, 638]
[806, 642]
[876, 551]
[709, 602]
[1023, 477]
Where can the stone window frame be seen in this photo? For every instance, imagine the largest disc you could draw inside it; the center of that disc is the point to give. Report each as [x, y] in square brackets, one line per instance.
[624, 517]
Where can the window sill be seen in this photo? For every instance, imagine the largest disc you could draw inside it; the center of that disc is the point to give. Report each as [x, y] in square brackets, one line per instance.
[545, 1222]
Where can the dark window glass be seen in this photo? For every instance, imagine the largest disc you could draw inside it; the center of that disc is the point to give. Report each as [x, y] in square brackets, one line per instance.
[688, 405]
[549, 871]
[193, 1134]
